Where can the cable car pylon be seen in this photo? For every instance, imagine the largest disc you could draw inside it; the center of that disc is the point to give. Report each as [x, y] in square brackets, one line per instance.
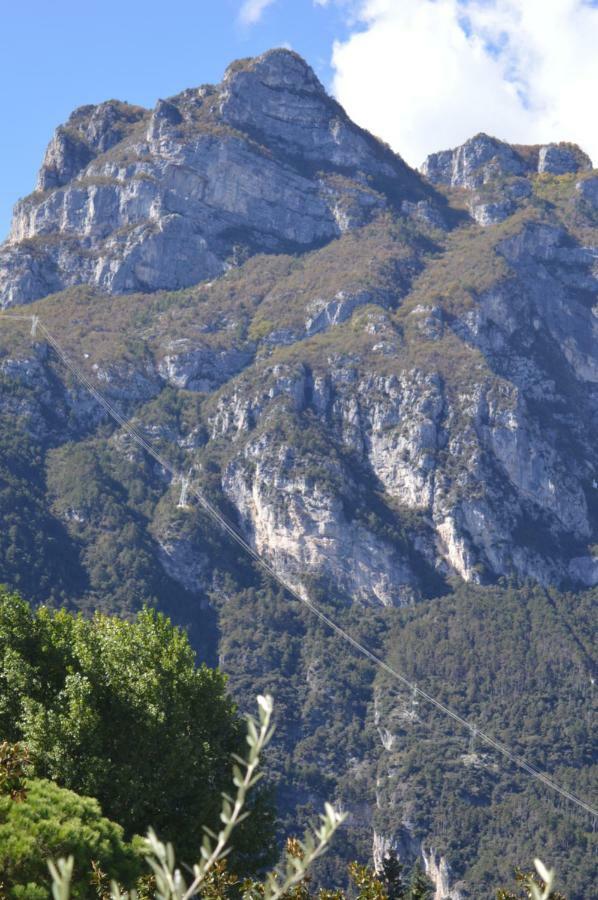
[183, 501]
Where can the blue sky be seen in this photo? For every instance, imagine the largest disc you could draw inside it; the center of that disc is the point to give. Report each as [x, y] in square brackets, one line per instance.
[422, 74]
[56, 55]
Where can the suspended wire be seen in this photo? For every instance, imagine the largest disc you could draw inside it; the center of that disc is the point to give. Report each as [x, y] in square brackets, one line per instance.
[226, 526]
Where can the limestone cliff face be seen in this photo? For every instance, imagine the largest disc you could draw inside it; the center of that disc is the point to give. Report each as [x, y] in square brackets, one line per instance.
[483, 158]
[387, 380]
[131, 199]
[438, 871]
[474, 463]
[453, 379]
[495, 175]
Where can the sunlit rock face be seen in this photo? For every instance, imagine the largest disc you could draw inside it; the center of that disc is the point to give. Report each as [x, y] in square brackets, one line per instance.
[386, 380]
[489, 458]
[483, 158]
[474, 163]
[496, 176]
[131, 199]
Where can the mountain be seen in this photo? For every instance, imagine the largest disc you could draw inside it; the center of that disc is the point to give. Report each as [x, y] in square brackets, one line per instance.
[130, 199]
[385, 378]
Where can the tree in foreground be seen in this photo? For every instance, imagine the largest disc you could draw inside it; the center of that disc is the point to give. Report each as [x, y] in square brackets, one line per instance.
[39, 819]
[119, 710]
[393, 876]
[420, 886]
[210, 879]
[208, 876]
[532, 885]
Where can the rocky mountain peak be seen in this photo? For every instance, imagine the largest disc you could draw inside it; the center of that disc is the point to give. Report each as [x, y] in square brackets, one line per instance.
[89, 131]
[276, 68]
[497, 175]
[266, 161]
[476, 161]
[278, 99]
[483, 158]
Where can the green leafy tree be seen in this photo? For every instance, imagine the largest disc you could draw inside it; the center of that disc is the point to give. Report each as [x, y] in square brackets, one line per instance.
[210, 878]
[118, 710]
[47, 820]
[14, 768]
[369, 887]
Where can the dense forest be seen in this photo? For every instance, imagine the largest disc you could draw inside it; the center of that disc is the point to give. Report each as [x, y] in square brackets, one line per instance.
[351, 732]
[110, 728]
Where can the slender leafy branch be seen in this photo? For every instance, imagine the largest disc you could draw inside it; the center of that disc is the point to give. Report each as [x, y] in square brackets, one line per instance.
[169, 881]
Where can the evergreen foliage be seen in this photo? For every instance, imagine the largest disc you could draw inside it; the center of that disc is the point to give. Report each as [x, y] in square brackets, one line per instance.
[118, 710]
[420, 887]
[514, 660]
[39, 820]
[393, 876]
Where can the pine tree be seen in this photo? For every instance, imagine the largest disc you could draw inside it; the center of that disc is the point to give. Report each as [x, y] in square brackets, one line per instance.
[420, 886]
[392, 876]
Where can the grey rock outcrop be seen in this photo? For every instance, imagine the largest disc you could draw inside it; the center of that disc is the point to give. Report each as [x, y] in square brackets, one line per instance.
[131, 200]
[399, 429]
[90, 131]
[562, 159]
[196, 368]
[438, 871]
[491, 213]
[182, 560]
[474, 163]
[483, 159]
[497, 174]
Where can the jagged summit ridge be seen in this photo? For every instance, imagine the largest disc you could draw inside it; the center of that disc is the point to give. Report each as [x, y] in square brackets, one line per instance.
[130, 199]
[482, 158]
[278, 97]
[89, 131]
[497, 174]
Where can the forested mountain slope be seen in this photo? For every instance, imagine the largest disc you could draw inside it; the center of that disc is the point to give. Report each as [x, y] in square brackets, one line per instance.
[386, 379]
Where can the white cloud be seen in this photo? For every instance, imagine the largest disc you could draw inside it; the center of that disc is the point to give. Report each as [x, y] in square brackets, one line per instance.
[252, 10]
[427, 74]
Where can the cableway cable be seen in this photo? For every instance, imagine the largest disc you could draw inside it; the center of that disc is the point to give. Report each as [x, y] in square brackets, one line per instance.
[226, 526]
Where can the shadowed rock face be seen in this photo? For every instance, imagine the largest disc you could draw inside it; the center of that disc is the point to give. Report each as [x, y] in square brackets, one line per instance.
[130, 199]
[562, 159]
